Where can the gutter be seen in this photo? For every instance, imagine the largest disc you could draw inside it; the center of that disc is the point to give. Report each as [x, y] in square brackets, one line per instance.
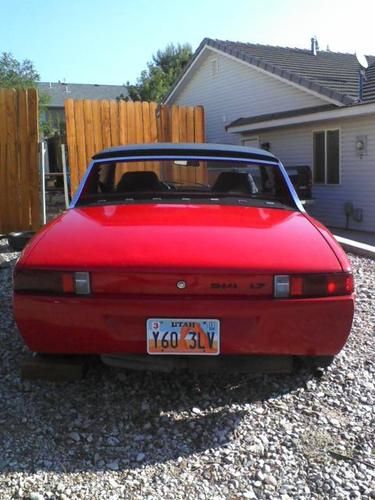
[346, 112]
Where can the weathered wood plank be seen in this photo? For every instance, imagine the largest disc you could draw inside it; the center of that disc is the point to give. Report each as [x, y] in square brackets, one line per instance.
[81, 139]
[175, 137]
[153, 122]
[199, 136]
[22, 160]
[123, 122]
[33, 154]
[97, 126]
[114, 120]
[71, 139]
[131, 123]
[89, 129]
[106, 124]
[4, 199]
[199, 129]
[11, 157]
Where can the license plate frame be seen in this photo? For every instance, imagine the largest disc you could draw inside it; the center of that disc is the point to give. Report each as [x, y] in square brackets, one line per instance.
[183, 336]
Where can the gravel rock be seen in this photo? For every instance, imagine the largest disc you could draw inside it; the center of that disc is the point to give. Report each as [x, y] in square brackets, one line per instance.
[3, 262]
[138, 435]
[36, 496]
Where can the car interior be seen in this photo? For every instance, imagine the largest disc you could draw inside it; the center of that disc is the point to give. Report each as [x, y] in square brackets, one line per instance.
[170, 179]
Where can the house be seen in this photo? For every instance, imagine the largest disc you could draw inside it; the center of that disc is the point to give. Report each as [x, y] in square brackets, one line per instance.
[53, 116]
[308, 107]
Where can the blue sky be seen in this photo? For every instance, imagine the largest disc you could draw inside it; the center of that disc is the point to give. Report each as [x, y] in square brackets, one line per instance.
[92, 41]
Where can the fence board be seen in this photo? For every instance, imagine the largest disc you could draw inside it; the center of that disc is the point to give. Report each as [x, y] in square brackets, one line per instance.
[22, 150]
[106, 124]
[33, 167]
[131, 123]
[114, 120]
[19, 174]
[164, 124]
[81, 137]
[89, 125]
[138, 122]
[11, 159]
[97, 126]
[71, 138]
[94, 125]
[153, 123]
[123, 122]
[146, 122]
[33, 149]
[199, 136]
[4, 203]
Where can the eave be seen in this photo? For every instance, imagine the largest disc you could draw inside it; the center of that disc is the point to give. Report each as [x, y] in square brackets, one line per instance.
[344, 112]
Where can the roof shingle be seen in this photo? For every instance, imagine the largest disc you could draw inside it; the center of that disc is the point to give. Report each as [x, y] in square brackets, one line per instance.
[331, 74]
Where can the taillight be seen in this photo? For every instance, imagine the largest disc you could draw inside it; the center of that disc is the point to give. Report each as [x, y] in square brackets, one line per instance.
[313, 285]
[54, 282]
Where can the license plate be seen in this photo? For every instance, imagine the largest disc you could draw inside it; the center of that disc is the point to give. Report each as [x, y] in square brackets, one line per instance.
[183, 336]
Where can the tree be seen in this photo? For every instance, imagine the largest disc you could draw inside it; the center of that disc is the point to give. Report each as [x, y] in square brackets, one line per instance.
[16, 74]
[23, 75]
[164, 69]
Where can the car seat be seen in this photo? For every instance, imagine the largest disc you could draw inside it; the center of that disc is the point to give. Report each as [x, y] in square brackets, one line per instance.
[235, 182]
[140, 181]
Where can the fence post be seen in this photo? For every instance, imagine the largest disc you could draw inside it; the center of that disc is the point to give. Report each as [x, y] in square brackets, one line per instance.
[65, 176]
[43, 150]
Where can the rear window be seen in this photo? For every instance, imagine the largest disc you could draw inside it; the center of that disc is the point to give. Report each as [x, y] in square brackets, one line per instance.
[185, 180]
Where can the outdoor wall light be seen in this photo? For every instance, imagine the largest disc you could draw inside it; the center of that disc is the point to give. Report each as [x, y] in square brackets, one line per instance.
[361, 145]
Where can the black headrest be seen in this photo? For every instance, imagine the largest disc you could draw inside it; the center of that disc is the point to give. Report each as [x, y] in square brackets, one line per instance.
[140, 181]
[237, 182]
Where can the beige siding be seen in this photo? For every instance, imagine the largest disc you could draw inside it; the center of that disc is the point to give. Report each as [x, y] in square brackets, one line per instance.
[294, 146]
[237, 90]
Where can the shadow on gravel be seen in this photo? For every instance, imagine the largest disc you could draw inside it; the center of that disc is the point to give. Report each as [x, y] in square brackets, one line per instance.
[121, 420]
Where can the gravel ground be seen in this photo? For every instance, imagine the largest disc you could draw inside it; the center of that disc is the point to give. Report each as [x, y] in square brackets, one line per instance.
[135, 435]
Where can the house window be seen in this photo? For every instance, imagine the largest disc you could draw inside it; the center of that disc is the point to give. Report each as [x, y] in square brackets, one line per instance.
[326, 156]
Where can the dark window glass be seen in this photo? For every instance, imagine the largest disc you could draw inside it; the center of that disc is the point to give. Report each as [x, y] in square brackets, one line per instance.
[189, 179]
[333, 173]
[319, 157]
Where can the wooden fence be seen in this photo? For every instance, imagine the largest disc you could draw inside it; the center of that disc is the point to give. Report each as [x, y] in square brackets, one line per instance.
[94, 125]
[19, 171]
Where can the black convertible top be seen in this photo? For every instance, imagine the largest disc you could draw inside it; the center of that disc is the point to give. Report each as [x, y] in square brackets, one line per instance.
[188, 149]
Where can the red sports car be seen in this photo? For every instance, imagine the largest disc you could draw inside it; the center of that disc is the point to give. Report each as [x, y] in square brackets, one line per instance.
[186, 255]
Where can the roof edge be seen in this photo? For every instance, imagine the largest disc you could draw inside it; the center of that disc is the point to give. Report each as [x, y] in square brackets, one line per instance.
[284, 74]
[273, 70]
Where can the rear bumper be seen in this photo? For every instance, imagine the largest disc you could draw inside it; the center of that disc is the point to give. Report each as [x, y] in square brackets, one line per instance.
[242, 364]
[110, 325]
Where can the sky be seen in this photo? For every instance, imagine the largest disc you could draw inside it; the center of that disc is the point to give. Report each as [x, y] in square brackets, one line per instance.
[110, 42]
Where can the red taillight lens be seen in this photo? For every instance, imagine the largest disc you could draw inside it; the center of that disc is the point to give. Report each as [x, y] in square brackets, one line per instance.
[312, 285]
[321, 285]
[44, 281]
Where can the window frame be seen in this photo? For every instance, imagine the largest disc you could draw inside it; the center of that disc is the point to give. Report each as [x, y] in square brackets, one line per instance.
[325, 131]
[250, 138]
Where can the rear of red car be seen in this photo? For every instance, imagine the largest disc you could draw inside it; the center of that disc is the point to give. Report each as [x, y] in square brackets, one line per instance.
[185, 281]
